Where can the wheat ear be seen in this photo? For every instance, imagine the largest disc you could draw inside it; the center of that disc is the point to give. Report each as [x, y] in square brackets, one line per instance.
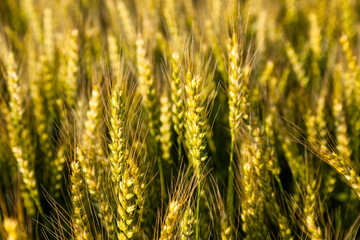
[39, 109]
[170, 221]
[195, 131]
[236, 92]
[148, 92]
[77, 199]
[11, 226]
[48, 62]
[165, 128]
[72, 68]
[187, 224]
[177, 100]
[20, 139]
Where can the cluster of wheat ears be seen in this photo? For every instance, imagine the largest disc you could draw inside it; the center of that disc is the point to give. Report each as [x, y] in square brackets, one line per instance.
[189, 119]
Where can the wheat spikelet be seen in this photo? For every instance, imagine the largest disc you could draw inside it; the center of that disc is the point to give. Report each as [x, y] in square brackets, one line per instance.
[195, 122]
[38, 99]
[310, 213]
[237, 85]
[341, 162]
[11, 228]
[146, 88]
[216, 48]
[90, 154]
[58, 165]
[87, 150]
[262, 30]
[261, 177]
[342, 167]
[117, 146]
[113, 14]
[33, 19]
[177, 99]
[296, 65]
[350, 85]
[72, 68]
[169, 15]
[89, 175]
[118, 160]
[77, 199]
[126, 208]
[20, 141]
[126, 22]
[170, 221]
[340, 128]
[187, 224]
[269, 160]
[237, 99]
[225, 228]
[48, 62]
[114, 54]
[315, 35]
[272, 163]
[195, 134]
[347, 18]
[165, 128]
[292, 155]
[148, 92]
[320, 119]
[258, 195]
[248, 198]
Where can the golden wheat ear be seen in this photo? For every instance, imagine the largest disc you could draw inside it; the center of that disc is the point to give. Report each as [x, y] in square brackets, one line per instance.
[78, 196]
[20, 138]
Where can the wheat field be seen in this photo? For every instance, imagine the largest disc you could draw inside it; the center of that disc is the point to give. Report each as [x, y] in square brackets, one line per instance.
[189, 119]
